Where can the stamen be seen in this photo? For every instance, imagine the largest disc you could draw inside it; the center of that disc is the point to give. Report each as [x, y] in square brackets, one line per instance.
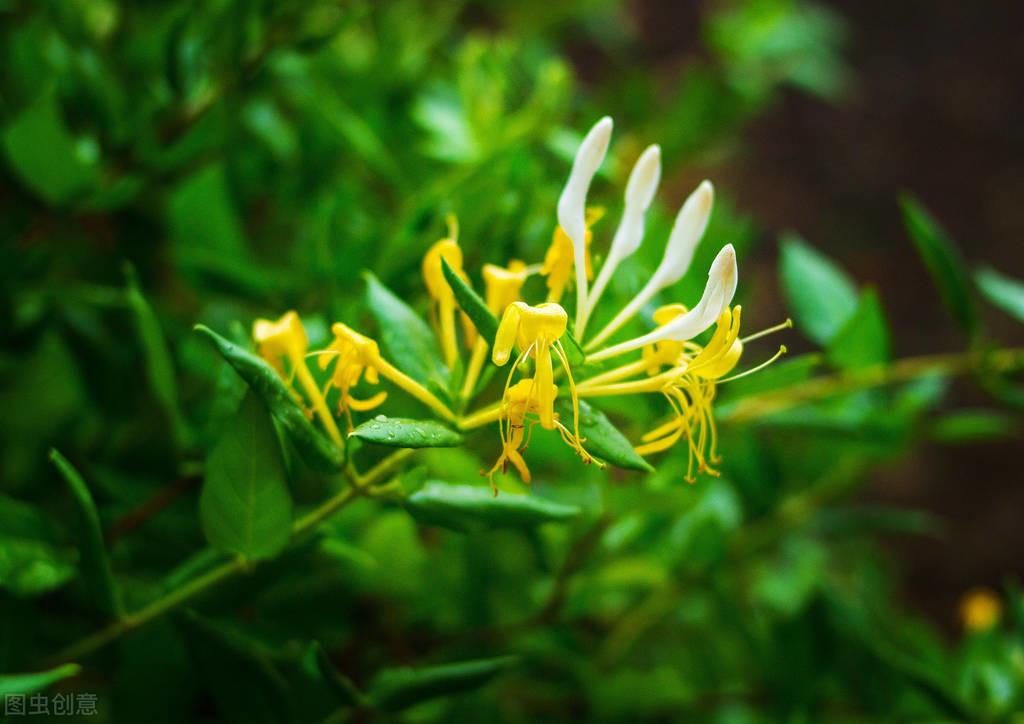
[752, 370]
[788, 324]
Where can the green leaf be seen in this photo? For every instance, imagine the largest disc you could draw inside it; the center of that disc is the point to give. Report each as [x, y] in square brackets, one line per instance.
[95, 561]
[31, 561]
[942, 258]
[201, 214]
[573, 351]
[601, 437]
[156, 356]
[397, 689]
[471, 303]
[819, 294]
[245, 505]
[470, 507]
[44, 154]
[313, 446]
[972, 426]
[244, 684]
[29, 683]
[864, 339]
[403, 432]
[407, 340]
[1005, 292]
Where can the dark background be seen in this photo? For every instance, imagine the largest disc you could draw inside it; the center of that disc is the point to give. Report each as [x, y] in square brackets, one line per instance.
[934, 107]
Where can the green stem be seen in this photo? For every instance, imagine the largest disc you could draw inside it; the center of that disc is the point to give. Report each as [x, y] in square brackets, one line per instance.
[169, 602]
[905, 370]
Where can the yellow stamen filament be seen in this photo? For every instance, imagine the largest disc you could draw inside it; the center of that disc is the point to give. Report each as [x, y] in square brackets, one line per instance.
[788, 324]
[752, 370]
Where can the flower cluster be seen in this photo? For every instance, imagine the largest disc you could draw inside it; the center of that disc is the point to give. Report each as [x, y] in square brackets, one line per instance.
[666, 360]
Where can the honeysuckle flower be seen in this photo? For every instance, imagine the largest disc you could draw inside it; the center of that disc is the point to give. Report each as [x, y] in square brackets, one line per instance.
[283, 345]
[560, 259]
[353, 355]
[573, 201]
[354, 358]
[718, 294]
[449, 250]
[502, 287]
[536, 332]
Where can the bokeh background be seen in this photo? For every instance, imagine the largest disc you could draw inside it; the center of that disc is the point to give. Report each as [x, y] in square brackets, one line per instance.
[169, 162]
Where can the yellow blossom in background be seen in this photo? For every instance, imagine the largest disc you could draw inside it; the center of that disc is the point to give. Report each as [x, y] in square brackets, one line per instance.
[559, 260]
[980, 609]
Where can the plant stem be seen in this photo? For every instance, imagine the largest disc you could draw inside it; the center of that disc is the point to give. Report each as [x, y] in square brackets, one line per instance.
[904, 370]
[228, 569]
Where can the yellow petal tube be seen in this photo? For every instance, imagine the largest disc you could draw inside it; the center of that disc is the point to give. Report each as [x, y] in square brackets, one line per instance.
[449, 250]
[502, 287]
[558, 262]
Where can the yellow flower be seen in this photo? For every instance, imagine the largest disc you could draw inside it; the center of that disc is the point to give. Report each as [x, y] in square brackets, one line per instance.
[449, 250]
[980, 609]
[285, 341]
[536, 332]
[355, 358]
[502, 286]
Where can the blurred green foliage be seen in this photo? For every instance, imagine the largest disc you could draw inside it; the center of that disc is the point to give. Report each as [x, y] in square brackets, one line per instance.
[168, 163]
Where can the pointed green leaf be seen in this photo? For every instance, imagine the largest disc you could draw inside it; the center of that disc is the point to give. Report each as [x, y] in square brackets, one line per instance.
[471, 507]
[156, 355]
[313, 446]
[95, 561]
[29, 683]
[819, 294]
[1005, 292]
[471, 303]
[397, 689]
[245, 505]
[601, 437]
[407, 340]
[940, 255]
[47, 158]
[403, 432]
[573, 352]
[864, 339]
[31, 561]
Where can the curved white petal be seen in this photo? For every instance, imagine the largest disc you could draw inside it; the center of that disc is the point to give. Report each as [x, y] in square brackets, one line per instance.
[723, 277]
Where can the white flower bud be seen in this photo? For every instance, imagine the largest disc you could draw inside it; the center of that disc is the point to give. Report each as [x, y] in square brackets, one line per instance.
[573, 201]
[640, 189]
